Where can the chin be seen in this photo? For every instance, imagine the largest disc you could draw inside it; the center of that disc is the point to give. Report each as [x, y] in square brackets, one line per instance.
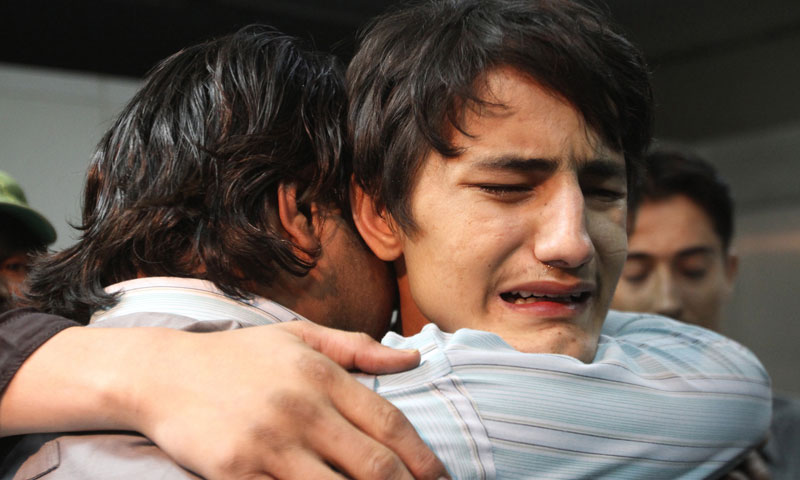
[570, 341]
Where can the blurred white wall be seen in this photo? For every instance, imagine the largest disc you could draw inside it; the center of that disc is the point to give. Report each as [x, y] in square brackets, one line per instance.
[50, 122]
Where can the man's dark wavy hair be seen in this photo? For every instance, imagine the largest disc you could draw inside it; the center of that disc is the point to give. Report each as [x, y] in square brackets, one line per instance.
[184, 183]
[417, 69]
[673, 172]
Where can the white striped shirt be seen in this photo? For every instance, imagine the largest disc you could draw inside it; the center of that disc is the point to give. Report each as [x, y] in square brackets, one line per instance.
[661, 399]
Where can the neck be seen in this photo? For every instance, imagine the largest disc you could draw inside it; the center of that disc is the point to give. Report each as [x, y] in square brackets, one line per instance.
[411, 318]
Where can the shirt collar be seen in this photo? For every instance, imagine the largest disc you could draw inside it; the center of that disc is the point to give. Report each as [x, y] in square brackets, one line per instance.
[191, 297]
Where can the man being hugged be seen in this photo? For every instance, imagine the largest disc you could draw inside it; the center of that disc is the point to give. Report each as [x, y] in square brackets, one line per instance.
[496, 146]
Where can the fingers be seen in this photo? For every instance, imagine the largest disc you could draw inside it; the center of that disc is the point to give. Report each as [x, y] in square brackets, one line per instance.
[356, 454]
[303, 464]
[354, 350]
[752, 467]
[296, 413]
[756, 466]
[273, 405]
[735, 475]
[388, 441]
[383, 422]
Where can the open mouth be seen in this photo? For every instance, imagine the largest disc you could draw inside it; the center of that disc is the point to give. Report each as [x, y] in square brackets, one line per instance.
[521, 297]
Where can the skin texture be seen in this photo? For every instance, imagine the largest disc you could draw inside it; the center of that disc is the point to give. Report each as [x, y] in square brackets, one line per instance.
[360, 288]
[271, 397]
[535, 202]
[676, 264]
[349, 288]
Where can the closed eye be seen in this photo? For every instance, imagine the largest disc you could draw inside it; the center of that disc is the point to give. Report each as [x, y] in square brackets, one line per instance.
[606, 194]
[504, 191]
[636, 278]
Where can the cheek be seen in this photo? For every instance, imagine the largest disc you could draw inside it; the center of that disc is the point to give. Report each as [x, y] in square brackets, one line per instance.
[708, 293]
[442, 261]
[610, 240]
[633, 297]
[465, 239]
[452, 267]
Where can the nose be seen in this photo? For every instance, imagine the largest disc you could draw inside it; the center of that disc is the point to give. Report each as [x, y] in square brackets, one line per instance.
[562, 239]
[667, 299]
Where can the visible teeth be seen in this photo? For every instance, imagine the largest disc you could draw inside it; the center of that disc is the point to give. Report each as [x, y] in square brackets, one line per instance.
[523, 296]
[526, 294]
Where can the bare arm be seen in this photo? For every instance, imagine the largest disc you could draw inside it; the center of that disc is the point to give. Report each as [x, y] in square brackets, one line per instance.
[274, 405]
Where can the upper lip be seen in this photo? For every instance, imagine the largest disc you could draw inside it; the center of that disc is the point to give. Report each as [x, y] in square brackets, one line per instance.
[552, 288]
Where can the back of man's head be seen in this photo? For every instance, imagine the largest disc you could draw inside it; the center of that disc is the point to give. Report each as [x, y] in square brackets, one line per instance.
[184, 183]
[419, 68]
[670, 172]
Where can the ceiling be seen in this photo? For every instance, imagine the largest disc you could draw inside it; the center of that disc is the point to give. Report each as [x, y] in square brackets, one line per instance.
[126, 37]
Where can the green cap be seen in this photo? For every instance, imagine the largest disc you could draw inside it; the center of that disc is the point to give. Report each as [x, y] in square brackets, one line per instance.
[13, 204]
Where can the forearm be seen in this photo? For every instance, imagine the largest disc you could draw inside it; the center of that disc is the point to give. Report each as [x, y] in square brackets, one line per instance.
[180, 389]
[22, 331]
[81, 379]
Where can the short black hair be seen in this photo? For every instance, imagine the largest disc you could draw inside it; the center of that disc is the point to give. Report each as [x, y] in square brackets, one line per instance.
[672, 172]
[418, 67]
[185, 182]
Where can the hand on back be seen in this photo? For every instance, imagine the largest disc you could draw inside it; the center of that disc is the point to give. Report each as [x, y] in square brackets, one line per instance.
[276, 402]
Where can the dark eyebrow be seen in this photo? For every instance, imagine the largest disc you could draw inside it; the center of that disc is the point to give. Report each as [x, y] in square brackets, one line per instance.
[518, 164]
[602, 168]
[700, 250]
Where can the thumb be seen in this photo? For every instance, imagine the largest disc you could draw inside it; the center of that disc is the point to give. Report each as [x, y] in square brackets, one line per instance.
[353, 351]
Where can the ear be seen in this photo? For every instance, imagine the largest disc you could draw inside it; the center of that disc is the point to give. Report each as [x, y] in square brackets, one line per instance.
[376, 227]
[297, 222]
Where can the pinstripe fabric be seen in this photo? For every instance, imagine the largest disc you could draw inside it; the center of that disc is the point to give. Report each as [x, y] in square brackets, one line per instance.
[661, 399]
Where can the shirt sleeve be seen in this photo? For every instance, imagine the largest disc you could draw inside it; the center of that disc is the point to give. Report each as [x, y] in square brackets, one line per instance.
[22, 331]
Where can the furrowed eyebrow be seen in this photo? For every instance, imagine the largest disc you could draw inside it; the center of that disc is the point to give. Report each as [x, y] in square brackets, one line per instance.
[518, 164]
[602, 168]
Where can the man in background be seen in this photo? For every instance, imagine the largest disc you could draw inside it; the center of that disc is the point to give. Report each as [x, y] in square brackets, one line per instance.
[24, 232]
[680, 264]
